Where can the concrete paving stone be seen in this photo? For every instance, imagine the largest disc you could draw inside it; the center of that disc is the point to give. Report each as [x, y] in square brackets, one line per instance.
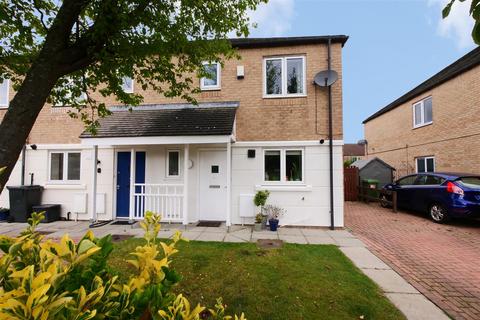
[196, 229]
[293, 239]
[236, 228]
[233, 238]
[211, 236]
[190, 235]
[290, 232]
[390, 281]
[262, 235]
[349, 242]
[416, 307]
[163, 234]
[241, 235]
[216, 230]
[340, 234]
[363, 258]
[315, 232]
[320, 240]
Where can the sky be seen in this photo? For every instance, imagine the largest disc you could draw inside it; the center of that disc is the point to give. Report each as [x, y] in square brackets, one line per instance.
[394, 45]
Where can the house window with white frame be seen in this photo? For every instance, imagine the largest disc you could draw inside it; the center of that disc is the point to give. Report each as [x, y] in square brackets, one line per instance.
[64, 166]
[4, 92]
[422, 113]
[173, 163]
[284, 165]
[127, 84]
[69, 93]
[212, 80]
[425, 164]
[284, 76]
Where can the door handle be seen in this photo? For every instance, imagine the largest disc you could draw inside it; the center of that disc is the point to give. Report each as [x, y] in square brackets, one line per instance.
[118, 187]
[214, 186]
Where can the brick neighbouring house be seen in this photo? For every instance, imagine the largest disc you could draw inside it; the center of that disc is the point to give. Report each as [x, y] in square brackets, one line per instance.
[353, 152]
[240, 139]
[435, 126]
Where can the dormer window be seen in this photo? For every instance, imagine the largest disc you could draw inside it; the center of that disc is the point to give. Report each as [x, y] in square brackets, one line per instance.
[127, 84]
[4, 91]
[284, 77]
[212, 80]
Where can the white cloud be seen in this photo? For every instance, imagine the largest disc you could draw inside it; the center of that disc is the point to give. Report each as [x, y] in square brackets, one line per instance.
[458, 25]
[273, 19]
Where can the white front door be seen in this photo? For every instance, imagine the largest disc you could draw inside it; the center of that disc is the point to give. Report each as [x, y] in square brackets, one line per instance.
[213, 185]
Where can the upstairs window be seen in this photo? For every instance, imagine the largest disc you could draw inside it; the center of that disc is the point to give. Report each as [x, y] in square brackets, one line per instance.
[68, 94]
[212, 80]
[127, 84]
[422, 113]
[65, 166]
[4, 87]
[425, 164]
[284, 76]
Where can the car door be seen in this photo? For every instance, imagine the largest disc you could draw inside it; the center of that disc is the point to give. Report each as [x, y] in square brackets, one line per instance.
[427, 187]
[403, 187]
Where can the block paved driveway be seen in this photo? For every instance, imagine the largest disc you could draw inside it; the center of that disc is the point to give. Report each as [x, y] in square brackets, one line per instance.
[441, 261]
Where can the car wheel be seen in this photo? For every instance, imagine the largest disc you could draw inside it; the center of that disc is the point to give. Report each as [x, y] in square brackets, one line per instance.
[384, 202]
[438, 213]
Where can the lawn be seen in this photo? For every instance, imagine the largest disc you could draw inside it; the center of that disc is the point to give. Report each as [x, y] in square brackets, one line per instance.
[293, 282]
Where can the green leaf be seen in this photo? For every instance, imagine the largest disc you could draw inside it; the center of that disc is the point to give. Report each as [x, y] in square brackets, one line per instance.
[85, 245]
[448, 7]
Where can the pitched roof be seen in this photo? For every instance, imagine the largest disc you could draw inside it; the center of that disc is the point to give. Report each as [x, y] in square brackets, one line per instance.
[465, 63]
[168, 120]
[353, 149]
[285, 41]
[360, 164]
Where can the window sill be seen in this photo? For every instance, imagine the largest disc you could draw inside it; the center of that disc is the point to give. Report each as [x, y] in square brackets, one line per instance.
[422, 125]
[64, 186]
[289, 96]
[210, 89]
[3, 107]
[284, 187]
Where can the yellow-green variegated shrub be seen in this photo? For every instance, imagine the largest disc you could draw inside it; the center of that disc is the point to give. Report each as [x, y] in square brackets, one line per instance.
[47, 279]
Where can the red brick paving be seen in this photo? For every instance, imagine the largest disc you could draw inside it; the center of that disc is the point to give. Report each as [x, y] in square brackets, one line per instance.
[441, 261]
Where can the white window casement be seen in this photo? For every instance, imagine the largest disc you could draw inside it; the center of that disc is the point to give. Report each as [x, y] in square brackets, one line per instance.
[127, 84]
[212, 82]
[173, 164]
[4, 93]
[425, 164]
[64, 166]
[422, 113]
[284, 77]
[283, 166]
[68, 95]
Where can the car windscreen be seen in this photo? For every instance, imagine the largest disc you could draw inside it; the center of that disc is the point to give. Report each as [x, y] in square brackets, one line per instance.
[469, 182]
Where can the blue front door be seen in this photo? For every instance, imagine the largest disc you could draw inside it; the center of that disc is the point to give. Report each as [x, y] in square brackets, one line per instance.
[123, 180]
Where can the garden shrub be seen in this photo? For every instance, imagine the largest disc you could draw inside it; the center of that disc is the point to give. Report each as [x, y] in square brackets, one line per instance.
[48, 279]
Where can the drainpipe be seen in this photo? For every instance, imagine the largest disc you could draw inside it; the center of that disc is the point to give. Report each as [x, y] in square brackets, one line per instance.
[330, 138]
[24, 152]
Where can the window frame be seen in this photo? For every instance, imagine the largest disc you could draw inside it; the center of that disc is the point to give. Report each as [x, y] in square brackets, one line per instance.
[81, 100]
[283, 166]
[6, 105]
[167, 164]
[284, 69]
[133, 85]
[218, 86]
[65, 179]
[422, 122]
[425, 162]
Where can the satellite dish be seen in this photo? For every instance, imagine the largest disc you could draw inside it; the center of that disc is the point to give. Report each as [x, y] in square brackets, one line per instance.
[325, 78]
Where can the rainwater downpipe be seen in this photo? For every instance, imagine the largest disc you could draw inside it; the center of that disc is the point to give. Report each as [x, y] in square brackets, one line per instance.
[330, 138]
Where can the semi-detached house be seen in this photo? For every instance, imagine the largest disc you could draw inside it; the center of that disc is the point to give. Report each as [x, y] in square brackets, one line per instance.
[260, 124]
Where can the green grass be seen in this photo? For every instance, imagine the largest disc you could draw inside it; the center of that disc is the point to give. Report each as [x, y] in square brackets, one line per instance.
[294, 282]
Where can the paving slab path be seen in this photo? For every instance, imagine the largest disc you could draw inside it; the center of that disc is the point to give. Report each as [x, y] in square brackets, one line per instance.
[440, 261]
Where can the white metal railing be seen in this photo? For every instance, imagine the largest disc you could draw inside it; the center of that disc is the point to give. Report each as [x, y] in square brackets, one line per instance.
[164, 199]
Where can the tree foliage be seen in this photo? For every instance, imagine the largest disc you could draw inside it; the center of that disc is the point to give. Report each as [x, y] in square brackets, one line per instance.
[474, 12]
[156, 42]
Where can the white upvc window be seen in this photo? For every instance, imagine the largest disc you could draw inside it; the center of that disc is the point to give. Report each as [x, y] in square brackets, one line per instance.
[284, 77]
[422, 112]
[127, 84]
[213, 80]
[283, 166]
[82, 99]
[425, 164]
[64, 166]
[4, 93]
[173, 164]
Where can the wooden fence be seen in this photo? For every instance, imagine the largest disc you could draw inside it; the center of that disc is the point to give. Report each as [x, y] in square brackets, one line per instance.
[350, 183]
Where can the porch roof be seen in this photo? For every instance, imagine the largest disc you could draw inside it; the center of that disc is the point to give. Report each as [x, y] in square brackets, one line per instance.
[168, 120]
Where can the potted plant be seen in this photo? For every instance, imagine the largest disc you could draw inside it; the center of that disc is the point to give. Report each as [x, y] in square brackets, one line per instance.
[274, 212]
[258, 222]
[259, 201]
